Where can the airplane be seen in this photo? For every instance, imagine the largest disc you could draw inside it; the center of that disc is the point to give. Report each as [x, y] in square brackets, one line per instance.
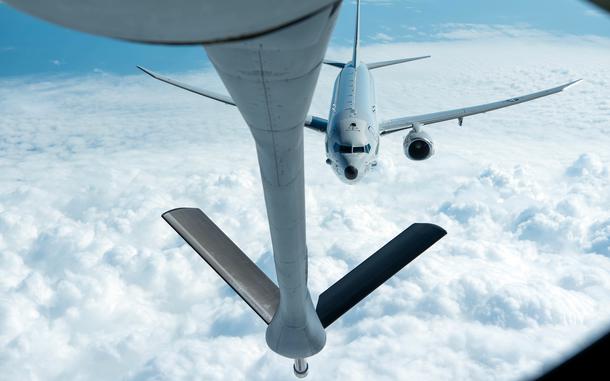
[268, 56]
[352, 130]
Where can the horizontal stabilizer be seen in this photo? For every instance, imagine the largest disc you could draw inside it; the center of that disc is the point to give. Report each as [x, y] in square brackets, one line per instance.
[316, 123]
[375, 270]
[338, 64]
[377, 65]
[254, 287]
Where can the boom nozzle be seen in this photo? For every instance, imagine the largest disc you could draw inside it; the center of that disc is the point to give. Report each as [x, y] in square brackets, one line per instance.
[300, 367]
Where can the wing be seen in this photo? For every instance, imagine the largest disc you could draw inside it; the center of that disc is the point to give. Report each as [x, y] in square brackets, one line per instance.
[394, 125]
[312, 122]
[206, 93]
[174, 22]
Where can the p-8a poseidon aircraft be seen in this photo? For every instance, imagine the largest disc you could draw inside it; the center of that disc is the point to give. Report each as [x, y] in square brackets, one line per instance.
[352, 130]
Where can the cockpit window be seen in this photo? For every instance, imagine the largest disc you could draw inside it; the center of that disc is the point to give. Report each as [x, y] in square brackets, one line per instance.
[349, 149]
[341, 148]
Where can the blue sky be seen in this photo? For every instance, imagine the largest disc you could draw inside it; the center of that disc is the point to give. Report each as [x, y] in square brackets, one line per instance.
[30, 46]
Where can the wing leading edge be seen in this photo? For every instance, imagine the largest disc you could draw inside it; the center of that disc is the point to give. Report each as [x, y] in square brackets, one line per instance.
[206, 93]
[399, 124]
[312, 122]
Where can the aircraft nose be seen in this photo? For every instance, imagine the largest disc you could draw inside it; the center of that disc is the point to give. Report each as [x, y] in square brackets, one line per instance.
[351, 172]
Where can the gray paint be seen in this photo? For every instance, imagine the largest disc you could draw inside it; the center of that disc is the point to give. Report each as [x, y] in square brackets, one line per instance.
[271, 80]
[376, 270]
[416, 121]
[352, 121]
[176, 21]
[248, 281]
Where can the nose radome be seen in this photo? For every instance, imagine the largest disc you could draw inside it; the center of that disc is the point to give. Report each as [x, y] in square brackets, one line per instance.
[351, 172]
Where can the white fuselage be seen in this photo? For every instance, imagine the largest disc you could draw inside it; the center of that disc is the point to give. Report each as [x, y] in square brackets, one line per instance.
[352, 136]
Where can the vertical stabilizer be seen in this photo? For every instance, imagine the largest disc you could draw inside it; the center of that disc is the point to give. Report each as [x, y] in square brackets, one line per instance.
[356, 35]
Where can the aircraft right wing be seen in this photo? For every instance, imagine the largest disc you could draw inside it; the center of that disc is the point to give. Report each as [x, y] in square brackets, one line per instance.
[394, 125]
[312, 122]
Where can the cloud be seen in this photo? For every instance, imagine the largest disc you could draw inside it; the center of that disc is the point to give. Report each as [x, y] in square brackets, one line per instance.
[382, 37]
[466, 31]
[96, 286]
[594, 13]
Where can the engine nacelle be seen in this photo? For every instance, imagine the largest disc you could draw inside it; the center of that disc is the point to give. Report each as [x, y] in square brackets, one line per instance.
[418, 146]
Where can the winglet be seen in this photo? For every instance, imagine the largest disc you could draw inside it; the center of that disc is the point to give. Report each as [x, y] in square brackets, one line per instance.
[571, 83]
[152, 74]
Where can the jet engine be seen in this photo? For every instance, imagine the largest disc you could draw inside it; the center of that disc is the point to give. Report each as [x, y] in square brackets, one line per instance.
[418, 146]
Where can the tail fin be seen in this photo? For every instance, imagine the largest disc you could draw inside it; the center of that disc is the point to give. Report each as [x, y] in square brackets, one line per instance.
[375, 270]
[356, 35]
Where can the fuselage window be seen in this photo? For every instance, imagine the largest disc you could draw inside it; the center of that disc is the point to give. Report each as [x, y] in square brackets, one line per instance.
[359, 149]
[367, 148]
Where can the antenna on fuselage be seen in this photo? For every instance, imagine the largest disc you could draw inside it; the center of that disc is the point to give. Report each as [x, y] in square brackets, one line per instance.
[356, 35]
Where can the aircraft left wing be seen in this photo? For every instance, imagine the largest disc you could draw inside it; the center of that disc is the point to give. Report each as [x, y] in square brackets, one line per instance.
[394, 125]
[312, 122]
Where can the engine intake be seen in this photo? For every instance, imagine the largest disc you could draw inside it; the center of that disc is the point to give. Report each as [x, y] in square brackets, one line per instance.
[418, 146]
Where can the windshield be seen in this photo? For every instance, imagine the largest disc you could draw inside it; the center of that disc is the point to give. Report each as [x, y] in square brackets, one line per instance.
[349, 149]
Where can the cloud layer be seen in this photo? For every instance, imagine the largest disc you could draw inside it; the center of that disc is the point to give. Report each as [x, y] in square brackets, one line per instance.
[95, 286]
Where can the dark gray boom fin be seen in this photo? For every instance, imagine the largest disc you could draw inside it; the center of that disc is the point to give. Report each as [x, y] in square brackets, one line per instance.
[375, 270]
[248, 281]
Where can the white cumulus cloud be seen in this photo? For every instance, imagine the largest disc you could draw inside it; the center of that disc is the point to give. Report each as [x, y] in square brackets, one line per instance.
[94, 285]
